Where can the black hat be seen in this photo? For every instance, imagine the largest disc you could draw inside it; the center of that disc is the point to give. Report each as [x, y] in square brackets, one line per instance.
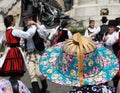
[118, 20]
[104, 19]
[112, 23]
[26, 14]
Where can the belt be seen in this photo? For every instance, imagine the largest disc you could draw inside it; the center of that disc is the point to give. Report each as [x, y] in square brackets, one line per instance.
[13, 45]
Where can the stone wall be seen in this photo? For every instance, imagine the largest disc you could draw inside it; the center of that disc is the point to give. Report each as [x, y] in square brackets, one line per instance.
[84, 10]
[9, 7]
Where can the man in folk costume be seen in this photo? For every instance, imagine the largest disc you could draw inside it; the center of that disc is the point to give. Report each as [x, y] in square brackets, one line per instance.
[12, 63]
[112, 41]
[101, 30]
[63, 33]
[33, 54]
[54, 30]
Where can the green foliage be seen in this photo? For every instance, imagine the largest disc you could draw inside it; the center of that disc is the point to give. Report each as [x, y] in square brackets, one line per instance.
[2, 47]
[75, 29]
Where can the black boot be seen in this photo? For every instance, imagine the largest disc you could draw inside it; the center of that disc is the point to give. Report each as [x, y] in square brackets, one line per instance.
[35, 87]
[44, 86]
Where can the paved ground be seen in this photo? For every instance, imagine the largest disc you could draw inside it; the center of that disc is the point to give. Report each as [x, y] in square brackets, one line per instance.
[54, 88]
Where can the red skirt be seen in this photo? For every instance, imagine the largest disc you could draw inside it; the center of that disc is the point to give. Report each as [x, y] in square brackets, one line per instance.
[13, 64]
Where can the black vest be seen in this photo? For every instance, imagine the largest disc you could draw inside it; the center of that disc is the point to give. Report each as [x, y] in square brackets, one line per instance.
[103, 30]
[63, 36]
[38, 41]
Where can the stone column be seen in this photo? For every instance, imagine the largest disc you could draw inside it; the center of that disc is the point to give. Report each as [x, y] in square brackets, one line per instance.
[76, 2]
[103, 2]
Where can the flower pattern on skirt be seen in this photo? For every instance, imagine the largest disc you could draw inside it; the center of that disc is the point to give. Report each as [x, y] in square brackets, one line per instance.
[5, 87]
[99, 66]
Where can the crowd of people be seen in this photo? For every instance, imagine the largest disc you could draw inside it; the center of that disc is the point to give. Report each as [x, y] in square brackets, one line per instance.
[86, 62]
[108, 36]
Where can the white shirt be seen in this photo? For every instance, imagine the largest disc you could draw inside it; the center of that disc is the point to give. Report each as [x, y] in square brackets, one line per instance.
[92, 30]
[53, 31]
[19, 33]
[32, 29]
[42, 31]
[113, 38]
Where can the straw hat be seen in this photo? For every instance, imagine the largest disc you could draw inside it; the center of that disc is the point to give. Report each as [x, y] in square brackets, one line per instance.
[77, 62]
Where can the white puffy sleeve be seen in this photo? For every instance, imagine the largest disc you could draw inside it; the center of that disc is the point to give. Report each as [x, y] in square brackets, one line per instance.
[22, 34]
[112, 39]
[42, 31]
[69, 34]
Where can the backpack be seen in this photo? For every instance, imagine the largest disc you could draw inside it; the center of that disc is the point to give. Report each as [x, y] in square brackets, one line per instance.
[103, 30]
[38, 42]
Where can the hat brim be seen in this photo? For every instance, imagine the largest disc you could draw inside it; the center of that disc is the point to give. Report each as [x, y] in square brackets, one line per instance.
[49, 68]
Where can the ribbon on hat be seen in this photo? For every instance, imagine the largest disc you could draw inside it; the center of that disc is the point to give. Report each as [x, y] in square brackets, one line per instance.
[78, 46]
[80, 56]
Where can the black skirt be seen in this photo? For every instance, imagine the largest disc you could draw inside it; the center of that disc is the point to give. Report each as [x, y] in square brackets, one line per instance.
[94, 89]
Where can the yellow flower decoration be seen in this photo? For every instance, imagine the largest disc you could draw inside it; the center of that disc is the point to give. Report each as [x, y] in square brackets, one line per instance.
[64, 60]
[49, 50]
[49, 70]
[73, 72]
[90, 63]
[108, 52]
[98, 78]
[52, 59]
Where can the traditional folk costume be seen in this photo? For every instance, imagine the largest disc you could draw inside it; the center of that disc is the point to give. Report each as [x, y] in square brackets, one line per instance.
[52, 32]
[13, 62]
[89, 31]
[79, 62]
[63, 34]
[113, 43]
[33, 56]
